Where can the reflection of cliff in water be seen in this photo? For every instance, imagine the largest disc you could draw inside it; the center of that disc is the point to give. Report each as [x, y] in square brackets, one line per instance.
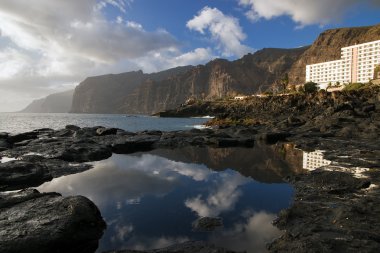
[264, 163]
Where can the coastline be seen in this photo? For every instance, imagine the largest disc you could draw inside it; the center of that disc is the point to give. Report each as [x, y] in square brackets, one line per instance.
[333, 210]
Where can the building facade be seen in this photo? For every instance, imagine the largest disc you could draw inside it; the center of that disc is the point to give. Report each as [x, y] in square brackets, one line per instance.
[357, 65]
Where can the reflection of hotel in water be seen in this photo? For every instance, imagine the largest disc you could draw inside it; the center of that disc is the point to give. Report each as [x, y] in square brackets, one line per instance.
[314, 160]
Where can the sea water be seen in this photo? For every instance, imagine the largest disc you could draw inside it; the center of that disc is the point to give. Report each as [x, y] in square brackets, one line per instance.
[23, 122]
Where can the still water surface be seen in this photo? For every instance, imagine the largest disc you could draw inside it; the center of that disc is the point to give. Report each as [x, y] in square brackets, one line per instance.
[150, 200]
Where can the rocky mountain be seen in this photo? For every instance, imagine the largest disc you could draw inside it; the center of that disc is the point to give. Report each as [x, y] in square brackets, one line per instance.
[54, 103]
[136, 92]
[139, 93]
[108, 93]
[327, 48]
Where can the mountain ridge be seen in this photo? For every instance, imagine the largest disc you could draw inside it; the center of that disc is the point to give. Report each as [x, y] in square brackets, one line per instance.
[136, 92]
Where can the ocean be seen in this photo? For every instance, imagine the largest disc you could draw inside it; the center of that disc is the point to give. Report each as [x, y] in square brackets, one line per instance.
[23, 122]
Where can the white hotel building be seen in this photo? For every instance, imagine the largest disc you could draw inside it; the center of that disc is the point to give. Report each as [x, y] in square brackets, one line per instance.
[357, 65]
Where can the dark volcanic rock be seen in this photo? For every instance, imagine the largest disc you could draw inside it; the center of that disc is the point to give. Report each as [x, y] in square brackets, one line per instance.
[47, 222]
[106, 131]
[32, 170]
[22, 137]
[131, 144]
[21, 174]
[331, 213]
[4, 145]
[84, 151]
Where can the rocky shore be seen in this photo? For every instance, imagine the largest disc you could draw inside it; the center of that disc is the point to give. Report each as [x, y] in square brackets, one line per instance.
[336, 208]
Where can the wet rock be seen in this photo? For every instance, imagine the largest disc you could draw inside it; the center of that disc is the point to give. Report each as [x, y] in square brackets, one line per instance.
[22, 137]
[3, 135]
[72, 127]
[223, 142]
[273, 137]
[20, 174]
[331, 213]
[33, 170]
[4, 145]
[64, 148]
[85, 151]
[136, 143]
[106, 131]
[207, 224]
[47, 222]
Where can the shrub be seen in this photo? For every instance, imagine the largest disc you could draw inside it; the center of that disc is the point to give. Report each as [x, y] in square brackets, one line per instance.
[310, 87]
[354, 86]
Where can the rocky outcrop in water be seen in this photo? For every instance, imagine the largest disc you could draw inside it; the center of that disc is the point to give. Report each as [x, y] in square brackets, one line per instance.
[54, 103]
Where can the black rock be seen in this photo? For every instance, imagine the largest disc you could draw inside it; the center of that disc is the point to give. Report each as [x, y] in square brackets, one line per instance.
[20, 174]
[47, 222]
[106, 131]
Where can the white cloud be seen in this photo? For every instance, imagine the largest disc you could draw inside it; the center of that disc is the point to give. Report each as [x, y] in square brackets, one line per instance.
[303, 12]
[225, 30]
[156, 61]
[51, 43]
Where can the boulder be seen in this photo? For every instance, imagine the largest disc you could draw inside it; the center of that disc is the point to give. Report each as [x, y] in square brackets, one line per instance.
[20, 174]
[47, 222]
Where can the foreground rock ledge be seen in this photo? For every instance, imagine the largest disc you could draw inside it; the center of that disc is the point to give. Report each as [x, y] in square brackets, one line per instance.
[47, 222]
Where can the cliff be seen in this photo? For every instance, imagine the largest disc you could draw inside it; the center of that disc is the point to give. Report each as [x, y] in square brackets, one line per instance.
[327, 48]
[54, 103]
[139, 93]
[108, 93]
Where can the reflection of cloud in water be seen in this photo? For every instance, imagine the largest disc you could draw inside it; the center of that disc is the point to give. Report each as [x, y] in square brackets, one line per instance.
[125, 179]
[222, 198]
[121, 232]
[147, 243]
[110, 182]
[251, 236]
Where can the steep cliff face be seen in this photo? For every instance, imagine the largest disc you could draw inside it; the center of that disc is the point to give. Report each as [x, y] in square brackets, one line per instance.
[136, 92]
[107, 93]
[327, 48]
[54, 103]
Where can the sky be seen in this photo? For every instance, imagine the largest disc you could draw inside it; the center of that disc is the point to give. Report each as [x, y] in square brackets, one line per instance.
[48, 46]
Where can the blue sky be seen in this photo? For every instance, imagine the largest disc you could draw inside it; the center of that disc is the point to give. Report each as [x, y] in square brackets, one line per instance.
[52, 45]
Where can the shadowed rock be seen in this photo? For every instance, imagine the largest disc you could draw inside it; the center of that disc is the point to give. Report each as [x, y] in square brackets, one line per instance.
[47, 222]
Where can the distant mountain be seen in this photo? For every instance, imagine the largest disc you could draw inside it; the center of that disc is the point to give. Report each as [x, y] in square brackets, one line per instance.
[136, 92]
[108, 93]
[54, 103]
